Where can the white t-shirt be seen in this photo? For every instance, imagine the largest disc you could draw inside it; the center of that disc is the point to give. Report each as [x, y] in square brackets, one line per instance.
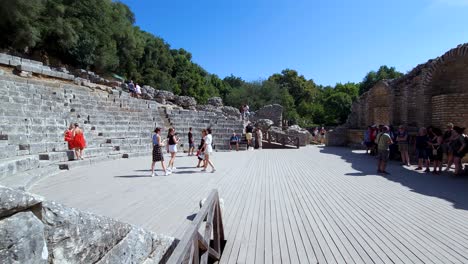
[138, 89]
[208, 141]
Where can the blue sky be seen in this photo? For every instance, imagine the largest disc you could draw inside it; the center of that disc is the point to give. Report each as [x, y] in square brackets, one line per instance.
[327, 41]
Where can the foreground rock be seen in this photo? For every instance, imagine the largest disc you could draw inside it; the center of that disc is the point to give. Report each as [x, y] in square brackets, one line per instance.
[36, 231]
[22, 239]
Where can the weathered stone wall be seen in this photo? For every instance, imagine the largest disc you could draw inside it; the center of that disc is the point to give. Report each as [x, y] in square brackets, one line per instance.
[273, 112]
[433, 93]
[451, 107]
[36, 231]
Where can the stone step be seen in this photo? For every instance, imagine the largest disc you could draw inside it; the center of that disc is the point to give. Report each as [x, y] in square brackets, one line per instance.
[27, 179]
[86, 162]
[13, 165]
[57, 156]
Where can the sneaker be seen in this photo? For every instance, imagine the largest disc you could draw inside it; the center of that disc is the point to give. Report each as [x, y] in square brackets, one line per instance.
[168, 171]
[204, 170]
[153, 174]
[427, 170]
[173, 168]
[418, 168]
[213, 170]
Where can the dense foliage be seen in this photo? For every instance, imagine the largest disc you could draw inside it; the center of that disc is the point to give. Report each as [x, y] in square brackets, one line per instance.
[100, 35]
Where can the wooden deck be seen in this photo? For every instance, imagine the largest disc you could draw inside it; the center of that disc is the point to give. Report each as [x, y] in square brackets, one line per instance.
[312, 205]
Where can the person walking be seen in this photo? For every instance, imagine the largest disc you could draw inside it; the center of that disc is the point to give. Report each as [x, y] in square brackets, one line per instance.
[172, 141]
[383, 143]
[191, 142]
[79, 142]
[201, 150]
[208, 151]
[68, 136]
[157, 153]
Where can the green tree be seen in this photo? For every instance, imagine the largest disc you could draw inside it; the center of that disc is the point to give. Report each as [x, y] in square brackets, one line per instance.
[383, 73]
[18, 23]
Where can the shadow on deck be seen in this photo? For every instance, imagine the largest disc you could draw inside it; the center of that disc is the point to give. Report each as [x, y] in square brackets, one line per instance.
[444, 186]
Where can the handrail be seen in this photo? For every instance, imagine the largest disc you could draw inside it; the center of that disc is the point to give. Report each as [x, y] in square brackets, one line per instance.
[195, 248]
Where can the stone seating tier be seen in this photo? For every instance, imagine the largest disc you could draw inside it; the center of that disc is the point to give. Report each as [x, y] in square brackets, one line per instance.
[33, 117]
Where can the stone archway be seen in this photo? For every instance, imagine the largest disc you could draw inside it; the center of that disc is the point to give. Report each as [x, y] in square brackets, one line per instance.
[379, 104]
[446, 89]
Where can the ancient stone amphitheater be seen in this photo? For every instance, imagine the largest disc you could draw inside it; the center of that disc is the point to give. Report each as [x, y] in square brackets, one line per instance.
[35, 109]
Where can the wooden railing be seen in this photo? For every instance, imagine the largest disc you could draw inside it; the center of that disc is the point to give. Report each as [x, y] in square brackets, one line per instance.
[195, 247]
[281, 138]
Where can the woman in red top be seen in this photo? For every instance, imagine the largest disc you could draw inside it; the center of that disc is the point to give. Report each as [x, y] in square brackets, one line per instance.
[69, 136]
[78, 141]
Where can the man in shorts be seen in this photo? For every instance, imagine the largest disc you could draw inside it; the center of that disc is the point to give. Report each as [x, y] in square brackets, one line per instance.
[383, 141]
[234, 141]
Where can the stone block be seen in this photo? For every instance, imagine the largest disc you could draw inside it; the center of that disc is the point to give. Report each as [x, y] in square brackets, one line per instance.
[22, 239]
[137, 247]
[13, 201]
[7, 151]
[78, 237]
[14, 61]
[4, 60]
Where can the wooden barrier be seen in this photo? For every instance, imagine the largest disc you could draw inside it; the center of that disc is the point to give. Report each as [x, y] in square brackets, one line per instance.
[195, 247]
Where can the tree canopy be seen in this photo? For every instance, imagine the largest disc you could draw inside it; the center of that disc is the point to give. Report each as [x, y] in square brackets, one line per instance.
[101, 35]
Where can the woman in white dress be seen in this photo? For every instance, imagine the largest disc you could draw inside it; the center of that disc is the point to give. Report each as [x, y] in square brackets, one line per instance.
[208, 149]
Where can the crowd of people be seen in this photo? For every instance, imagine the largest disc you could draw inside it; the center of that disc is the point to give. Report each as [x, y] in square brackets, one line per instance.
[319, 134]
[76, 141]
[432, 146]
[204, 152]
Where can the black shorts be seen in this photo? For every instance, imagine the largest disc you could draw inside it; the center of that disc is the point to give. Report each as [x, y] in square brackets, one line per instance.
[233, 143]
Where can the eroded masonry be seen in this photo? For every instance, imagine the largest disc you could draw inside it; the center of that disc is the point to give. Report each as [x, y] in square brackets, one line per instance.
[433, 93]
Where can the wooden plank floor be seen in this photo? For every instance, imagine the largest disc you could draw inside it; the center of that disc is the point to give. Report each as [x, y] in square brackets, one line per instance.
[312, 205]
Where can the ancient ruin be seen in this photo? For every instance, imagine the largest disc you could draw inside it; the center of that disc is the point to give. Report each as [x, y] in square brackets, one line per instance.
[433, 93]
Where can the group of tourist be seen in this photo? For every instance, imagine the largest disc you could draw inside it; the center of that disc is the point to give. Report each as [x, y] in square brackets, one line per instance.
[205, 150]
[319, 134]
[431, 146]
[254, 136]
[75, 139]
[134, 89]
